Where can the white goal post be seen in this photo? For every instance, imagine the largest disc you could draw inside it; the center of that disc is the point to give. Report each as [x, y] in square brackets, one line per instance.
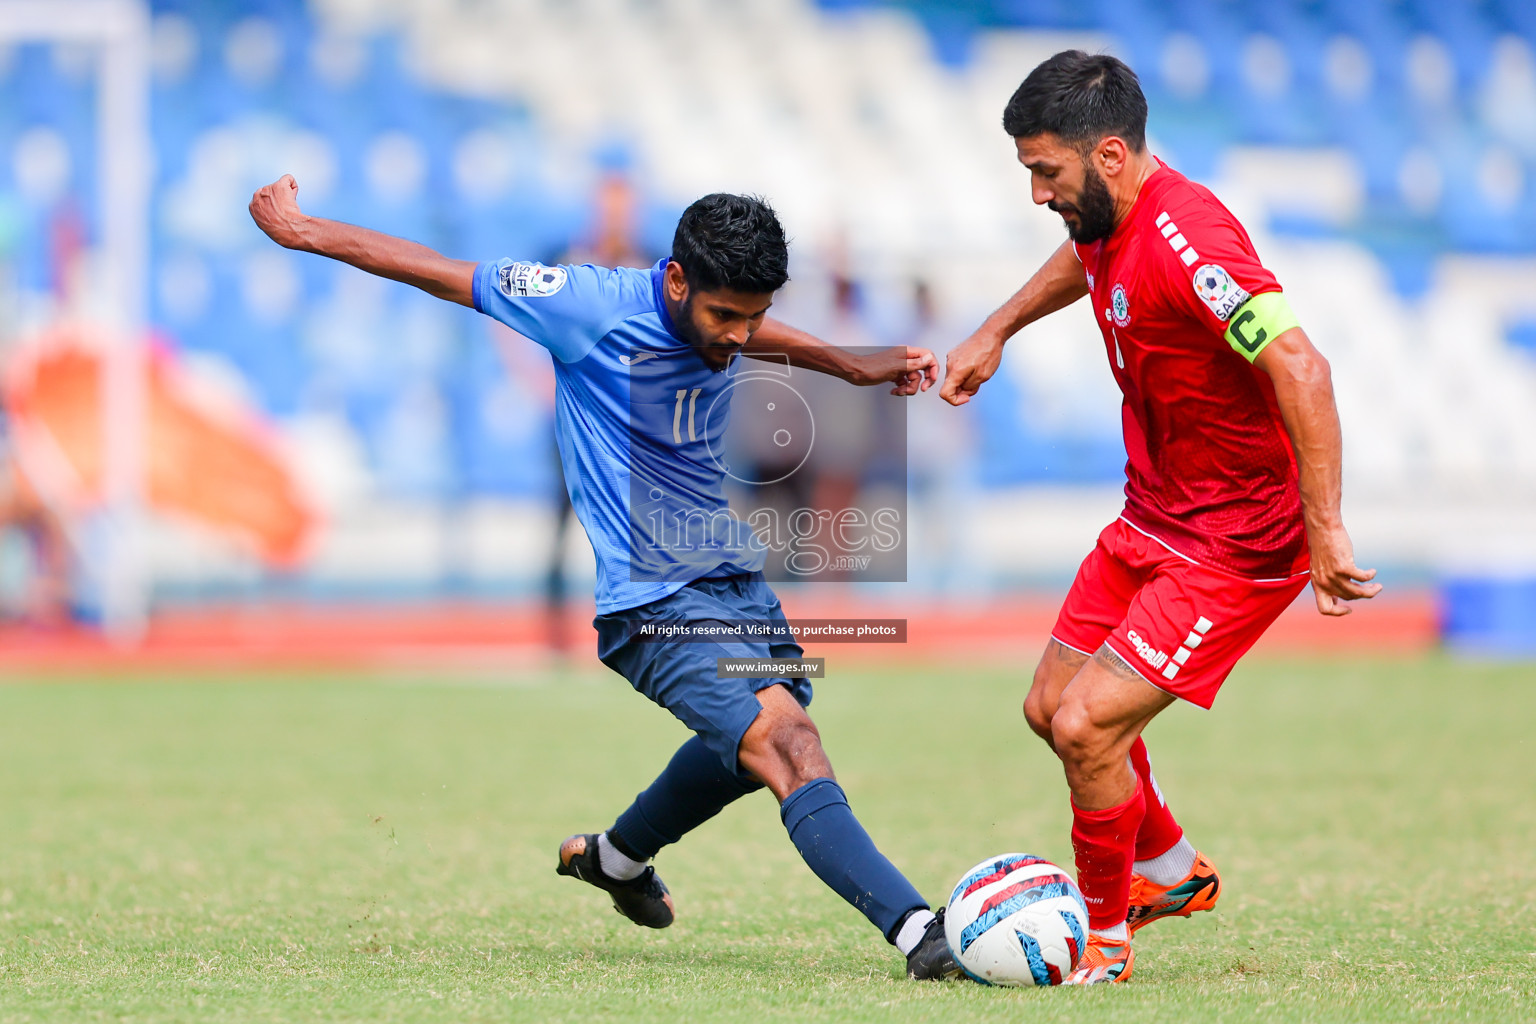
[119, 32]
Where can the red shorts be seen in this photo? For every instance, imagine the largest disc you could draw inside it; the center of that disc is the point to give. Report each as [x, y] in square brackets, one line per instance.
[1181, 625]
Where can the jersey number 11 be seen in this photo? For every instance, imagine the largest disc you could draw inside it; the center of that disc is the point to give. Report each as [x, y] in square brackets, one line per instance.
[677, 414]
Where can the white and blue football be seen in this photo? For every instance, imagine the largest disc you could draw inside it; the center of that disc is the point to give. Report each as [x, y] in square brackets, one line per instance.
[1017, 919]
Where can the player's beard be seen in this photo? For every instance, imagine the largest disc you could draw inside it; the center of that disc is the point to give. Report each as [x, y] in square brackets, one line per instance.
[1095, 209]
[716, 357]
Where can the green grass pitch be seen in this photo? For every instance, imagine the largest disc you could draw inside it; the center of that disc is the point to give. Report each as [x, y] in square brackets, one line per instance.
[244, 848]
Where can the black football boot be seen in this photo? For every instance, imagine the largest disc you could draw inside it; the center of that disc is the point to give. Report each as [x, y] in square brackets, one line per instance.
[643, 899]
[930, 959]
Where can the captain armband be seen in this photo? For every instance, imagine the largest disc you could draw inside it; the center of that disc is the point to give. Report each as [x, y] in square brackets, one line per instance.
[1258, 322]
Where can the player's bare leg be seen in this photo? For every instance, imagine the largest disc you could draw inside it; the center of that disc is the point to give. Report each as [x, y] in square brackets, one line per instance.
[1057, 666]
[1100, 715]
[782, 749]
[782, 744]
[1170, 878]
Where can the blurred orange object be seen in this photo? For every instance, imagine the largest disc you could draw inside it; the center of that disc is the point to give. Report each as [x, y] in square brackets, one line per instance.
[208, 456]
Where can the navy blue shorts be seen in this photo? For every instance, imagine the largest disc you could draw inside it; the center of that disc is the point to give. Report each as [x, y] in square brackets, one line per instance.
[681, 676]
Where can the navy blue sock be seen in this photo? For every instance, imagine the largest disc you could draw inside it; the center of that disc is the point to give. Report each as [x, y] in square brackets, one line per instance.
[692, 788]
[836, 847]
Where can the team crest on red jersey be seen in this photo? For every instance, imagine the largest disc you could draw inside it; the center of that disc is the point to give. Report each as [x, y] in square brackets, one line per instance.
[1120, 306]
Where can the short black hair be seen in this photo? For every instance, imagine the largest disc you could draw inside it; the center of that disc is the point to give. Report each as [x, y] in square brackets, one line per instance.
[734, 242]
[1082, 98]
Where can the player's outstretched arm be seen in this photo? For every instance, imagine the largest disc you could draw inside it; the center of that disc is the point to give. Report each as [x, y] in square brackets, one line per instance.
[1058, 283]
[275, 209]
[908, 368]
[1304, 389]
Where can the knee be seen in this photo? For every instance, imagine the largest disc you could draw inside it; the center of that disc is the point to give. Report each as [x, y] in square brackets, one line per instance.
[1040, 703]
[1038, 712]
[1078, 740]
[784, 752]
[795, 744]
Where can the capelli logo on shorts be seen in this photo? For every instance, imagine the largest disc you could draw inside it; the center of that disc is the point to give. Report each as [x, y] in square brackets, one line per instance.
[1151, 655]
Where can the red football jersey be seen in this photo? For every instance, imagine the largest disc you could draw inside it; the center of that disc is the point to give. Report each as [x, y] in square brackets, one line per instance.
[1210, 471]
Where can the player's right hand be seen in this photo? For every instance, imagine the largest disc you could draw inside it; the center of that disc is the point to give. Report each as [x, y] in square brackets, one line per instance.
[275, 209]
[969, 365]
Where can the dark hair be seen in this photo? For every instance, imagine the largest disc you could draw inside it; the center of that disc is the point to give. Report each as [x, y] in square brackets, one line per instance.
[1082, 98]
[735, 242]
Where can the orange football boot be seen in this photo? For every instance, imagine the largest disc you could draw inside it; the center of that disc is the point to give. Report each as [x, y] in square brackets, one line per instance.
[1199, 890]
[1105, 960]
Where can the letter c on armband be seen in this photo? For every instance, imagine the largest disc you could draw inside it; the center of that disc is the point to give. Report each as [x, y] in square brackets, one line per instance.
[1259, 321]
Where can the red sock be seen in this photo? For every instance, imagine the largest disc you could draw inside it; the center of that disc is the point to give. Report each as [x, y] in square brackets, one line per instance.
[1158, 830]
[1105, 844]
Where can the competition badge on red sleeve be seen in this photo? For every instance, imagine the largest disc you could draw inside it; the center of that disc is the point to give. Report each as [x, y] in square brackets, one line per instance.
[1222, 295]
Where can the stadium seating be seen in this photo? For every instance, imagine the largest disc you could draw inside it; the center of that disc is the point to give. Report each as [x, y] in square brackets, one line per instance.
[1383, 152]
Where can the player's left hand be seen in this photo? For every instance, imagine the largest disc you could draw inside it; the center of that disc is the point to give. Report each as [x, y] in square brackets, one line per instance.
[911, 369]
[1335, 576]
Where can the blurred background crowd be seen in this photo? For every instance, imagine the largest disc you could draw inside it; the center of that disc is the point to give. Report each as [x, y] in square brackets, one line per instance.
[356, 440]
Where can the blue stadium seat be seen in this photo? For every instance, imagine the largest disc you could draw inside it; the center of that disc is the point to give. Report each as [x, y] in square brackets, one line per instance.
[279, 371]
[1015, 451]
[1123, 16]
[517, 463]
[1190, 133]
[1407, 249]
[1459, 26]
[1517, 16]
[1522, 335]
[1376, 131]
[1052, 14]
[1471, 225]
[951, 32]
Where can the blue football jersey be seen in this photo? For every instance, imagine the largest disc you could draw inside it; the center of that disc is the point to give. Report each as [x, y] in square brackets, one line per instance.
[640, 420]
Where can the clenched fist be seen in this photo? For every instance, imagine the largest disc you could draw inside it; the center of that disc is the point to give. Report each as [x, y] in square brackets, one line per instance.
[910, 368]
[275, 209]
[970, 365]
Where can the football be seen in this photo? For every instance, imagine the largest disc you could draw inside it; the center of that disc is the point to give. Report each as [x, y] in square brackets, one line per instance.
[1016, 919]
